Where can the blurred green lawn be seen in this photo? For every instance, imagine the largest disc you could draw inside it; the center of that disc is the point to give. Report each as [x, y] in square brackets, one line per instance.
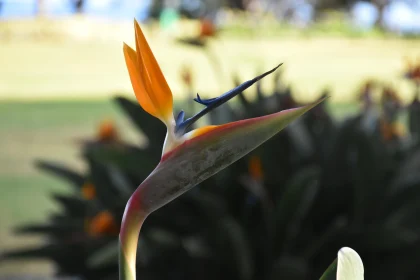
[29, 131]
[68, 68]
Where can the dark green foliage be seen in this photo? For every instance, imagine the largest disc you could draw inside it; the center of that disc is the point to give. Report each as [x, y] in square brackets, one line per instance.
[330, 273]
[282, 212]
[414, 113]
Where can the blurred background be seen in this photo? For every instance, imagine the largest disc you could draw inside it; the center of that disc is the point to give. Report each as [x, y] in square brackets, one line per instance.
[62, 67]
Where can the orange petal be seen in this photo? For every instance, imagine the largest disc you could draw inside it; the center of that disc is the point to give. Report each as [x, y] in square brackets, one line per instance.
[138, 85]
[199, 131]
[107, 132]
[88, 191]
[255, 168]
[154, 82]
[102, 224]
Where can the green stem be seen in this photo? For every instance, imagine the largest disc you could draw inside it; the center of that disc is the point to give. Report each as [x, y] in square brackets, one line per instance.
[130, 229]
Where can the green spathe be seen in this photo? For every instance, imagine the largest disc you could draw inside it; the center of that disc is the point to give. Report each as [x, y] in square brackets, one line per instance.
[199, 158]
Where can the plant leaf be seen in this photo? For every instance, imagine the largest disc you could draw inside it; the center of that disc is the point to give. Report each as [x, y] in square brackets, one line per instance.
[331, 272]
[61, 171]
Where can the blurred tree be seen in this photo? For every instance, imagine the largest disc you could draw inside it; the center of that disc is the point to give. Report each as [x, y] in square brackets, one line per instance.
[237, 4]
[78, 5]
[156, 8]
[380, 4]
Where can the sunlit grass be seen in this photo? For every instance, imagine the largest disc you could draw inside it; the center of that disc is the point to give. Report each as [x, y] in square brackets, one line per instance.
[92, 66]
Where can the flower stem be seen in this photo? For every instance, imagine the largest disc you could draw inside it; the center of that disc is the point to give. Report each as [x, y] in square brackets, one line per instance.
[130, 229]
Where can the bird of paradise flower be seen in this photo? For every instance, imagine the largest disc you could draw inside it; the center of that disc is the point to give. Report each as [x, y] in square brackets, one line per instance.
[188, 157]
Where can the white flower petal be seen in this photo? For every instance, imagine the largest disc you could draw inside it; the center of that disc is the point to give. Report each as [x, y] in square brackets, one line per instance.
[350, 265]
